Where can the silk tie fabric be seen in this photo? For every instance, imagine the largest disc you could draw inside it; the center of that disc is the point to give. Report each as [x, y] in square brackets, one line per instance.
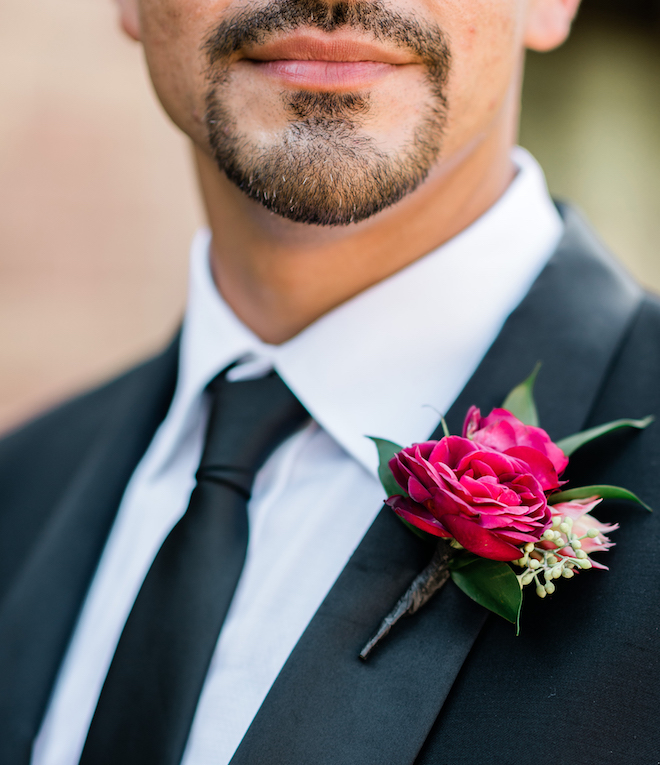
[149, 697]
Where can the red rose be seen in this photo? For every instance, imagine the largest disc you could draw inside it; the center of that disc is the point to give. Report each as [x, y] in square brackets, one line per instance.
[505, 433]
[489, 502]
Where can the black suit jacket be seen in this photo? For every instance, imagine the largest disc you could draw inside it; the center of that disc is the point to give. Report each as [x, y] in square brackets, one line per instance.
[452, 685]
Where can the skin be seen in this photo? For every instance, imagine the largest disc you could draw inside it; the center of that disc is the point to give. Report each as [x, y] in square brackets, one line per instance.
[280, 276]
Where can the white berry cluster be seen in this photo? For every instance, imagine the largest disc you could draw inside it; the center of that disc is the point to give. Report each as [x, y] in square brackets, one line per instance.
[542, 563]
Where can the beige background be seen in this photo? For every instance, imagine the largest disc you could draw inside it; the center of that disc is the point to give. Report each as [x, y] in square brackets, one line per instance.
[98, 202]
[591, 115]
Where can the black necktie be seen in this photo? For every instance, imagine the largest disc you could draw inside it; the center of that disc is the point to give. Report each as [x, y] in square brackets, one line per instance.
[149, 697]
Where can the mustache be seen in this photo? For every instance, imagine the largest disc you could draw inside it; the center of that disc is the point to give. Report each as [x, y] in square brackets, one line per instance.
[256, 25]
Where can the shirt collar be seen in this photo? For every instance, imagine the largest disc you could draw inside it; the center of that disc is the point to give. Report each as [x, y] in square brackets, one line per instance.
[389, 361]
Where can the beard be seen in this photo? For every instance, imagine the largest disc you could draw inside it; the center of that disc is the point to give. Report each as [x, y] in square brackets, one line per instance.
[325, 169]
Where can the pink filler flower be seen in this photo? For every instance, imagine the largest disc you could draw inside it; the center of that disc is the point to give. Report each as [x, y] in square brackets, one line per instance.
[579, 511]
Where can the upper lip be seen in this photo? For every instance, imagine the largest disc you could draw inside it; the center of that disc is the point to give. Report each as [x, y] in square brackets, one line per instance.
[310, 46]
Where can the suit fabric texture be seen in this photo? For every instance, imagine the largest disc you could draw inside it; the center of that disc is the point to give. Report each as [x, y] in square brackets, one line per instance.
[452, 685]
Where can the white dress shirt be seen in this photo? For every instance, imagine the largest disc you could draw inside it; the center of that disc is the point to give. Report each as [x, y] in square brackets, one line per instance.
[385, 363]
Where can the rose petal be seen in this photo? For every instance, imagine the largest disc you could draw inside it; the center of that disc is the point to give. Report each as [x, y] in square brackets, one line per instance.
[451, 450]
[478, 540]
[502, 430]
[517, 537]
[418, 515]
[472, 422]
[500, 437]
[540, 466]
[444, 502]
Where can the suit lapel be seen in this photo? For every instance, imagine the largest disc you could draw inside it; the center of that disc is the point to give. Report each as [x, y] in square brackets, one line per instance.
[327, 707]
[573, 320]
[40, 610]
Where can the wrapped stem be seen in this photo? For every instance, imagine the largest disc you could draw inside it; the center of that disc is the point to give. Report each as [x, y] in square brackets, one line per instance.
[423, 588]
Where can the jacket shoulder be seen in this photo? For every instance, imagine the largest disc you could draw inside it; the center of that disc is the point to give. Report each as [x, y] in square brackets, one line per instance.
[39, 459]
[51, 439]
[639, 354]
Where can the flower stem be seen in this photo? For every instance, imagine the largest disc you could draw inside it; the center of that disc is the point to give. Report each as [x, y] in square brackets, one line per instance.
[423, 588]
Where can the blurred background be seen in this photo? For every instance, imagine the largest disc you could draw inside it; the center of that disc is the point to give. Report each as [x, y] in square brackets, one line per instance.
[98, 202]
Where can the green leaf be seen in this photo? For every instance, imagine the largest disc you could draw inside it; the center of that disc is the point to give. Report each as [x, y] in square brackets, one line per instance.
[520, 402]
[573, 443]
[490, 583]
[606, 492]
[387, 450]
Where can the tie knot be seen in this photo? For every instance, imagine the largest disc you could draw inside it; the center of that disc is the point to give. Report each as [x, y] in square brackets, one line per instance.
[247, 422]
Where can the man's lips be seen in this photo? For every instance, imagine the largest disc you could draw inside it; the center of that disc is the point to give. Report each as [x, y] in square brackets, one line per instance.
[325, 75]
[305, 46]
[325, 62]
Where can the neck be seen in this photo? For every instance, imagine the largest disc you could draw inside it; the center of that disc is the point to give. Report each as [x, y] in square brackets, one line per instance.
[279, 277]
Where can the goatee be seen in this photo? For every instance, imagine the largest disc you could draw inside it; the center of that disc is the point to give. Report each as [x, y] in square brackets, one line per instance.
[325, 169]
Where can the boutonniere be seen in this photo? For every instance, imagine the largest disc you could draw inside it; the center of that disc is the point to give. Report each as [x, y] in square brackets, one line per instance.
[493, 502]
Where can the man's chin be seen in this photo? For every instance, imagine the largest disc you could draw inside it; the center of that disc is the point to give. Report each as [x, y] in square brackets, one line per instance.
[323, 201]
[322, 182]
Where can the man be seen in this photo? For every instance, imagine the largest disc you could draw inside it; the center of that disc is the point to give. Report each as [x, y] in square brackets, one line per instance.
[377, 242]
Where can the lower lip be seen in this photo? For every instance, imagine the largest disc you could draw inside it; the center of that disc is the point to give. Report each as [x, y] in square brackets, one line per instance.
[325, 75]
